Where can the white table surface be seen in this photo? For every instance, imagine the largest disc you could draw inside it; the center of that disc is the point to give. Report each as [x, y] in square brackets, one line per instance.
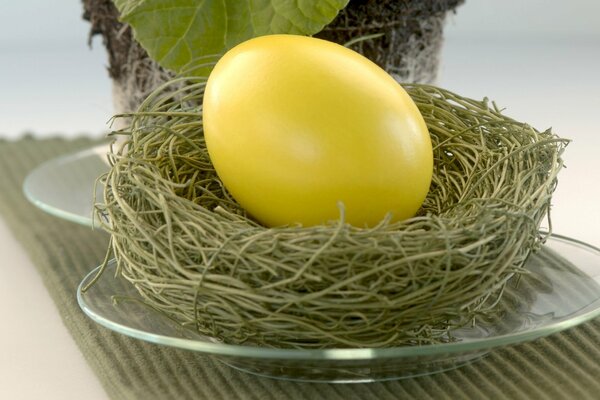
[545, 83]
[39, 360]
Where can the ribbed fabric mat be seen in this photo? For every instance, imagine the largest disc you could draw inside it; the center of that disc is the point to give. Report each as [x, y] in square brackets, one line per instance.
[561, 366]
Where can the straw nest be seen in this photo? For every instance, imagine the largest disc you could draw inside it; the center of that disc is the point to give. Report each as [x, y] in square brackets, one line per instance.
[193, 253]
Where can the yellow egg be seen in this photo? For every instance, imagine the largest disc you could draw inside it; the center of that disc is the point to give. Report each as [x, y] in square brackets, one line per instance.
[296, 125]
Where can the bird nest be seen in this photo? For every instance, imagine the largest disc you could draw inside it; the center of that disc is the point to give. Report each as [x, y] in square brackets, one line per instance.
[194, 254]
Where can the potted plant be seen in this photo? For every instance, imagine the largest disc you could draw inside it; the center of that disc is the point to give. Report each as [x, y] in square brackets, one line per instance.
[147, 43]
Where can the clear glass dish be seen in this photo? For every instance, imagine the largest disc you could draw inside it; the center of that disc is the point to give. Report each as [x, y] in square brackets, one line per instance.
[65, 186]
[561, 290]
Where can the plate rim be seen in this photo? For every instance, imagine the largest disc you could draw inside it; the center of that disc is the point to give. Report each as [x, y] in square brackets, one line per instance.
[349, 354]
[57, 211]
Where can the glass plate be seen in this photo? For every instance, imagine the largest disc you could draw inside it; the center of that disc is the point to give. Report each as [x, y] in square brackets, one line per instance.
[64, 186]
[561, 290]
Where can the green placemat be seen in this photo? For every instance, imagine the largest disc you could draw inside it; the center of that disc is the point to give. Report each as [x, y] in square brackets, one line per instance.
[562, 366]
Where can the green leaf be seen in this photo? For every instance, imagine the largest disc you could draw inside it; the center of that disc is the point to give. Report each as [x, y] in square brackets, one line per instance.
[180, 33]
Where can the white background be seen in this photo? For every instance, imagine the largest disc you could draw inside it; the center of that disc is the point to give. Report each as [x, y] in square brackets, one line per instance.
[52, 82]
[539, 59]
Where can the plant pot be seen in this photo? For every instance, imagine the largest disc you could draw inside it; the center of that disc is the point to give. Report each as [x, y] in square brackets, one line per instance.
[408, 45]
[409, 34]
